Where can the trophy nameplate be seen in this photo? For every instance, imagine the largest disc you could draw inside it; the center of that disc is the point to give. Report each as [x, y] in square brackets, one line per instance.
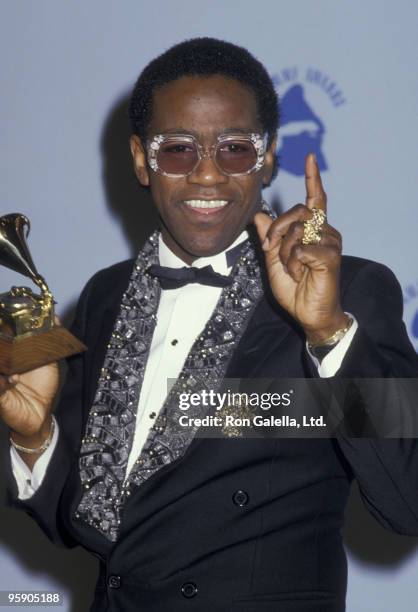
[29, 336]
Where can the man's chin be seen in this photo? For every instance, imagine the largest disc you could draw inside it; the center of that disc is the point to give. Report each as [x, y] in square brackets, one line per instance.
[202, 244]
[209, 249]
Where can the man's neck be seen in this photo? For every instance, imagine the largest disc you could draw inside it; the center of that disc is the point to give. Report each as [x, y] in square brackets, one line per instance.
[219, 262]
[188, 258]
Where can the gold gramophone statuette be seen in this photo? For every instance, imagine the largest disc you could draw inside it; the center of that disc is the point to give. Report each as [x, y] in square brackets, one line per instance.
[29, 337]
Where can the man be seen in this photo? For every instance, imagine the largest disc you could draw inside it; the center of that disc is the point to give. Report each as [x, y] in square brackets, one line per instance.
[179, 522]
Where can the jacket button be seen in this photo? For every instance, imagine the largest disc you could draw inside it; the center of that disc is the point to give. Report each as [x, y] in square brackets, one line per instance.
[114, 581]
[240, 498]
[189, 590]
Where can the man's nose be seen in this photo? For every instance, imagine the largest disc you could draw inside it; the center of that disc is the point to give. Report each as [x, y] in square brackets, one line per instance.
[207, 173]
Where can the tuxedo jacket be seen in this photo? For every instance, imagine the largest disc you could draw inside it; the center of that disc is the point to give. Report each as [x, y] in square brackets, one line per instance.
[245, 525]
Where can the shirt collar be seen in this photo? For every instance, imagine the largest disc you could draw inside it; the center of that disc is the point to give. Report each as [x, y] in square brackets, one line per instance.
[218, 262]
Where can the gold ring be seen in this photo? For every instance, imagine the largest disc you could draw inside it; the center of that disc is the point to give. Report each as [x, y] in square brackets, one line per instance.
[312, 227]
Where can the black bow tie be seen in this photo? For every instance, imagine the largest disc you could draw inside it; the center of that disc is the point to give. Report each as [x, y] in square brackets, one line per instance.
[173, 278]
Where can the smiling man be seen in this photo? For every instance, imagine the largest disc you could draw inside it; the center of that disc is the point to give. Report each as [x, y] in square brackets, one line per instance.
[205, 206]
[178, 521]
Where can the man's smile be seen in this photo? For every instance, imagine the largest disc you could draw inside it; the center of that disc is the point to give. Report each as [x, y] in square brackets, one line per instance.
[205, 207]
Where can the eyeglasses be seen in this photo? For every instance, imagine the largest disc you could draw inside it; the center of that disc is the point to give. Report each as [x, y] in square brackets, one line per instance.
[180, 154]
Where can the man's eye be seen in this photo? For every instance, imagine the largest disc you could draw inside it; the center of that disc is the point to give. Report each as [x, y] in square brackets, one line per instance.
[234, 147]
[178, 148]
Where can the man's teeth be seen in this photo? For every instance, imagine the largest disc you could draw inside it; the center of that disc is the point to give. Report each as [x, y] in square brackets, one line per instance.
[206, 203]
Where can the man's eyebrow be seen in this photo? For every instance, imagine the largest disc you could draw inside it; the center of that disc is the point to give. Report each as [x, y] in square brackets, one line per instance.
[237, 130]
[230, 130]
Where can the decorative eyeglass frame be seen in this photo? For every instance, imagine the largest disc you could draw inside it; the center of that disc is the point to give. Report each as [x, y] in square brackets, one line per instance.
[259, 142]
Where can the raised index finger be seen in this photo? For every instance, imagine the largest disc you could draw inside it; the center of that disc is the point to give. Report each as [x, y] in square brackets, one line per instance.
[315, 194]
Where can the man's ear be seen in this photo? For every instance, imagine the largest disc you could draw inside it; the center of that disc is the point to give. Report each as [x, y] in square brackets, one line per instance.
[140, 160]
[269, 162]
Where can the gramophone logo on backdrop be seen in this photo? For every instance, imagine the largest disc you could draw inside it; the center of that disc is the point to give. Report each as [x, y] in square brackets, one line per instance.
[410, 296]
[302, 125]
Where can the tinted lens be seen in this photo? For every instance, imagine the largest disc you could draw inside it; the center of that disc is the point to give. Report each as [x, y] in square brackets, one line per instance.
[236, 156]
[177, 156]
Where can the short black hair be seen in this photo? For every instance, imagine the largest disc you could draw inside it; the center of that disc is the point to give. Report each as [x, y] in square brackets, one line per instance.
[205, 57]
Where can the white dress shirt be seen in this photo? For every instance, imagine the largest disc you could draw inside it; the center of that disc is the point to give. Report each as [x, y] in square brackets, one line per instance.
[181, 316]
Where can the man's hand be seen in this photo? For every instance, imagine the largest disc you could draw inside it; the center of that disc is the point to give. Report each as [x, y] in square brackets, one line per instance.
[305, 278]
[25, 406]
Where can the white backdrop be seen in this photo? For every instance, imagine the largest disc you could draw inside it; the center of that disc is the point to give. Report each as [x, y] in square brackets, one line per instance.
[348, 78]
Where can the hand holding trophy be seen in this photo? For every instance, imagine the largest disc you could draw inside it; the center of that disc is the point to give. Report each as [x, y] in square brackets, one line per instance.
[31, 342]
[29, 336]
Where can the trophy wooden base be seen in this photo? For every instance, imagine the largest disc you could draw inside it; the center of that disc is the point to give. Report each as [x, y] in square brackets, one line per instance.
[21, 354]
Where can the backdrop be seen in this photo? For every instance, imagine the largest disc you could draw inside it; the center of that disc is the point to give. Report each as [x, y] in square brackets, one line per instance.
[348, 81]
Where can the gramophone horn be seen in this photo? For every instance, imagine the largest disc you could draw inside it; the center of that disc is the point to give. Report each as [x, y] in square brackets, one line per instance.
[14, 253]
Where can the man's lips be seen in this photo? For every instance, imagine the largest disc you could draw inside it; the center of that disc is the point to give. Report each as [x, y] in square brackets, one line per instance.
[205, 207]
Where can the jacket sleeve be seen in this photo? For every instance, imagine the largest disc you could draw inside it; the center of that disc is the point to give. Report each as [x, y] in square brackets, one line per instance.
[386, 468]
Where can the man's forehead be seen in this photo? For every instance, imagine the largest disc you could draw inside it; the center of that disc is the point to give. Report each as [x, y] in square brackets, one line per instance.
[204, 105]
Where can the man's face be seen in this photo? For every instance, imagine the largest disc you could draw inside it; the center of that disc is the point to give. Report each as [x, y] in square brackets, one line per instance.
[205, 108]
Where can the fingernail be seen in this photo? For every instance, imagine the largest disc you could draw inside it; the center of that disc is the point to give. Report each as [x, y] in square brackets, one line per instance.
[314, 158]
[266, 244]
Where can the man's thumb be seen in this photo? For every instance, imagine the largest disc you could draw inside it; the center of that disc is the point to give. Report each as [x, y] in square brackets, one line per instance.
[262, 222]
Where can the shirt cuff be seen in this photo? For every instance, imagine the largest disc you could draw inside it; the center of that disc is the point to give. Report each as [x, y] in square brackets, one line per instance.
[331, 363]
[28, 482]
